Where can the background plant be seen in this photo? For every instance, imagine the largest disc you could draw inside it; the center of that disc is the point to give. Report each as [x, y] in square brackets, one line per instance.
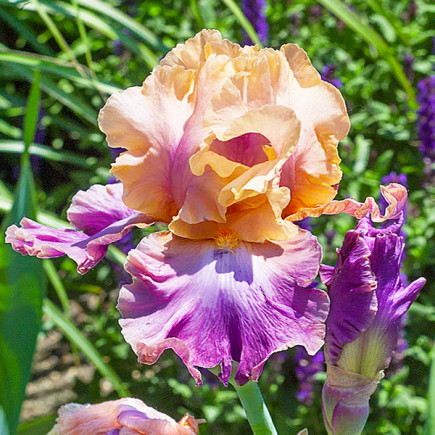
[87, 49]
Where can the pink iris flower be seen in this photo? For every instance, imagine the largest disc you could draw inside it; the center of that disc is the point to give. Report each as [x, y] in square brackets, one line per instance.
[120, 417]
[228, 146]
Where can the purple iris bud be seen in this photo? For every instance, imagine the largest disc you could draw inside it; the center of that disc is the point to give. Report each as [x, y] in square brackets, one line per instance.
[255, 12]
[327, 75]
[368, 302]
[306, 369]
[426, 116]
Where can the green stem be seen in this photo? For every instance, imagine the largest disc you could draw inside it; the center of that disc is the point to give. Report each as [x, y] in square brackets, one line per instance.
[256, 410]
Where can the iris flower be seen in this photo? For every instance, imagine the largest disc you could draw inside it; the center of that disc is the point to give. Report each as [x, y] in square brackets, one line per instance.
[368, 300]
[228, 146]
[120, 417]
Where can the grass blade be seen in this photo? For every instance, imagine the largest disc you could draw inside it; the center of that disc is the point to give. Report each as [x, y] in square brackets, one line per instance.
[95, 22]
[32, 112]
[25, 33]
[429, 428]
[372, 37]
[40, 426]
[47, 153]
[111, 12]
[247, 26]
[81, 342]
[54, 66]
[74, 103]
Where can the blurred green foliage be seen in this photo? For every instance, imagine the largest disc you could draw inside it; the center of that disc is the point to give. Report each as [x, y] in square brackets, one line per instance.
[86, 49]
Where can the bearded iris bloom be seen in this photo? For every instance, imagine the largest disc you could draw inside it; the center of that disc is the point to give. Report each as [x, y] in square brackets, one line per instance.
[368, 300]
[120, 417]
[228, 146]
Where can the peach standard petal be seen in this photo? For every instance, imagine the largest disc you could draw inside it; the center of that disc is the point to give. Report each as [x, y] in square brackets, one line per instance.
[312, 172]
[220, 135]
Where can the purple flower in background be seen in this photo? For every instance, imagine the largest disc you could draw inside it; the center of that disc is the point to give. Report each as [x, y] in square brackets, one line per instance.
[408, 64]
[305, 224]
[368, 302]
[117, 47]
[316, 12]
[327, 74]
[307, 367]
[255, 11]
[426, 114]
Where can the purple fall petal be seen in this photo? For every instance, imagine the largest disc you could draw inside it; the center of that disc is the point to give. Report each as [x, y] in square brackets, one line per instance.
[99, 212]
[212, 306]
[98, 207]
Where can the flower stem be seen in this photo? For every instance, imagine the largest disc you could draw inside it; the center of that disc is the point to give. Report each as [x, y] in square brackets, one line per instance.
[256, 410]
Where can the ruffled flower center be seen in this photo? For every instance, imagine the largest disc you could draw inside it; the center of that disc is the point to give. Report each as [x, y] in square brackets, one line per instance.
[226, 240]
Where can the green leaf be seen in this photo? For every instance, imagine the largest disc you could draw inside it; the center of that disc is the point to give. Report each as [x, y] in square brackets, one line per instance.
[430, 422]
[31, 118]
[40, 426]
[21, 288]
[4, 429]
[81, 342]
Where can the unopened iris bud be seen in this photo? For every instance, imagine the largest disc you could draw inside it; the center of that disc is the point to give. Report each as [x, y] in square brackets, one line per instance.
[368, 300]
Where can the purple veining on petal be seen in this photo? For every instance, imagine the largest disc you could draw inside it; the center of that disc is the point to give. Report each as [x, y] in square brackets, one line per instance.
[215, 307]
[394, 299]
[371, 258]
[255, 12]
[131, 414]
[351, 287]
[98, 207]
[402, 344]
